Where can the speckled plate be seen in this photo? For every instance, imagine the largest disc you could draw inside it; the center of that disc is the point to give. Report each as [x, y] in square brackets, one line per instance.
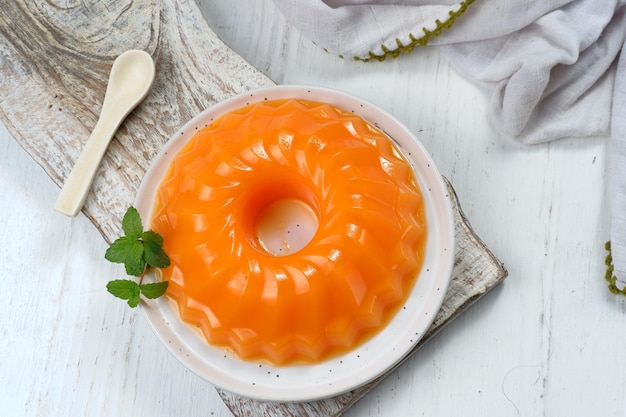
[367, 361]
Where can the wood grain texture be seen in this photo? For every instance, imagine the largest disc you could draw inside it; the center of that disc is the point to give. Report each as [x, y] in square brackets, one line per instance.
[476, 271]
[55, 58]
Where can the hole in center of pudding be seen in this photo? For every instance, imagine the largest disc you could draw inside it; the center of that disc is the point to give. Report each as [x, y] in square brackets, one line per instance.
[285, 226]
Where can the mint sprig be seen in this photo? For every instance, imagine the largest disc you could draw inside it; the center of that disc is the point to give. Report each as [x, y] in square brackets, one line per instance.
[137, 250]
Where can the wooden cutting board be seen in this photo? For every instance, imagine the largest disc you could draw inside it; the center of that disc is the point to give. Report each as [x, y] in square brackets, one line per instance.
[55, 58]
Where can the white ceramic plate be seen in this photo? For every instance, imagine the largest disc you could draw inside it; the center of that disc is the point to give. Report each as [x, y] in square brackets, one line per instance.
[369, 360]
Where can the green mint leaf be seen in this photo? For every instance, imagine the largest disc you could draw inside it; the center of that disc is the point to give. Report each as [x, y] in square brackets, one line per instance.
[131, 223]
[155, 256]
[154, 289]
[126, 290]
[117, 252]
[150, 236]
[134, 262]
[129, 252]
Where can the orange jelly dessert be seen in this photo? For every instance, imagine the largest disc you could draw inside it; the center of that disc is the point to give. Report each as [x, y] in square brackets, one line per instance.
[295, 231]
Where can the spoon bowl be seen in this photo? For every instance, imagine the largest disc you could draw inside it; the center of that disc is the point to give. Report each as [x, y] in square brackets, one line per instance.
[130, 80]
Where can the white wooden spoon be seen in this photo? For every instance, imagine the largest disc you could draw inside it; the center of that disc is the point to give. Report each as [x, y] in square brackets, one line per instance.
[130, 80]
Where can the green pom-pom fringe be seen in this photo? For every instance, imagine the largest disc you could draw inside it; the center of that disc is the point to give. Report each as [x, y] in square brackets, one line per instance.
[609, 272]
[417, 41]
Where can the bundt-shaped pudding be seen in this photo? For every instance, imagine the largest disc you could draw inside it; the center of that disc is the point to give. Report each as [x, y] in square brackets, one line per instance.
[295, 230]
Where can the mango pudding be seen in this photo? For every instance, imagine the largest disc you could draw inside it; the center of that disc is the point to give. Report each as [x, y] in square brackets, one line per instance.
[295, 230]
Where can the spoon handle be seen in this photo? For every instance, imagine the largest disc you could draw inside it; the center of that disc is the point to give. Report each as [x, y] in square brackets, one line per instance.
[74, 191]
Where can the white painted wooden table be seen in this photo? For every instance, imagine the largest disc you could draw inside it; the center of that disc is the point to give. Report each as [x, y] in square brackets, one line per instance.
[549, 341]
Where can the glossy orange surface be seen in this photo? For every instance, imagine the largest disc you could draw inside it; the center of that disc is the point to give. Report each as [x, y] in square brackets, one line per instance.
[308, 304]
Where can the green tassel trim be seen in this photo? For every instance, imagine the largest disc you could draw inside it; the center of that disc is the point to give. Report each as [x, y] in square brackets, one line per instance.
[609, 272]
[421, 41]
